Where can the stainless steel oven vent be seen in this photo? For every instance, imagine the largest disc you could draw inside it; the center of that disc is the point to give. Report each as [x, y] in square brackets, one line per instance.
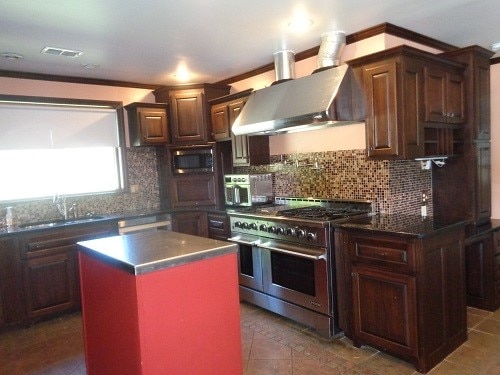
[284, 65]
[331, 48]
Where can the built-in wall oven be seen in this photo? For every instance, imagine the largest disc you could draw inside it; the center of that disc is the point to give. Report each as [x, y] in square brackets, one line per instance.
[285, 260]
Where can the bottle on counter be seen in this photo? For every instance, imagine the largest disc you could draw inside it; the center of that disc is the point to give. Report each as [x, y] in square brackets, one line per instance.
[423, 206]
[9, 218]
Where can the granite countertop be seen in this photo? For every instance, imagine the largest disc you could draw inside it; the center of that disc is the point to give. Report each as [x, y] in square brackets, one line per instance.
[146, 252]
[20, 228]
[404, 225]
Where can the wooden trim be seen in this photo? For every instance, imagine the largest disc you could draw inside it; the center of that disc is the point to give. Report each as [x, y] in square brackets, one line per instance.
[495, 60]
[386, 28]
[82, 80]
[352, 38]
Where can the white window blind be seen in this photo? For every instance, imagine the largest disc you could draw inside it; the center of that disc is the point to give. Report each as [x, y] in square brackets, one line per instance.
[45, 126]
[58, 148]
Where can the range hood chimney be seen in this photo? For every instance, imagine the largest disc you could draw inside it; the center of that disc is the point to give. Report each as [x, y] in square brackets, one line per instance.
[322, 99]
[284, 66]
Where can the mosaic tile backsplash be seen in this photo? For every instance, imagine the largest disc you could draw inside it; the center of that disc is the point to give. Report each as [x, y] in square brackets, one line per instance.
[393, 186]
[142, 172]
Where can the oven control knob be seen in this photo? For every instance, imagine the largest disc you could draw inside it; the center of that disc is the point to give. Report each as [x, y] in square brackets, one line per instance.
[290, 231]
[238, 224]
[311, 236]
[253, 226]
[272, 229]
[280, 230]
[263, 227]
[301, 233]
[246, 225]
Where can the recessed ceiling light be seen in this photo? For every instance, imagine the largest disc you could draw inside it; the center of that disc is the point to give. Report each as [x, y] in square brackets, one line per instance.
[61, 52]
[12, 55]
[495, 47]
[300, 23]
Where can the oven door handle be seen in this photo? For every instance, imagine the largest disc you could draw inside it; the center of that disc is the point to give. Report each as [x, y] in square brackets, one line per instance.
[241, 240]
[266, 246]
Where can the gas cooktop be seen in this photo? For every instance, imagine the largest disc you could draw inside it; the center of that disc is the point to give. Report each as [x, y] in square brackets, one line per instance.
[308, 208]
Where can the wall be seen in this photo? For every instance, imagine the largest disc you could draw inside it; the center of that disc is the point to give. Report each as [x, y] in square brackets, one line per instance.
[141, 162]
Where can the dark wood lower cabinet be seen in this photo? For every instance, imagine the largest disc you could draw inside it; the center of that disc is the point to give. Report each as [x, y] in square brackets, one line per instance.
[51, 282]
[482, 255]
[377, 296]
[404, 295]
[190, 222]
[39, 271]
[218, 225]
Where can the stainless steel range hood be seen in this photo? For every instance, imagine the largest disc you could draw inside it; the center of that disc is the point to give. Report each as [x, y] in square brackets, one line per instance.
[326, 98]
[320, 100]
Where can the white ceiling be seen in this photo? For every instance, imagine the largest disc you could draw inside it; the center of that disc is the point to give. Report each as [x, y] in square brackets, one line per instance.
[143, 41]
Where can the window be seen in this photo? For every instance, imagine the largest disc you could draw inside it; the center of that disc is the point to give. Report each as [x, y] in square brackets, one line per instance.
[57, 146]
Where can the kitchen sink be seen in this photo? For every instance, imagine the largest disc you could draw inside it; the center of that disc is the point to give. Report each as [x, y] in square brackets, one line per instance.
[59, 222]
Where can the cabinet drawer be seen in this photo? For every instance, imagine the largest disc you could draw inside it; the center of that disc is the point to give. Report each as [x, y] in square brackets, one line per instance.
[43, 243]
[387, 253]
[218, 226]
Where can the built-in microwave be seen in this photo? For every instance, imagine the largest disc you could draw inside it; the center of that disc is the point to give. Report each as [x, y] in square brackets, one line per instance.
[198, 159]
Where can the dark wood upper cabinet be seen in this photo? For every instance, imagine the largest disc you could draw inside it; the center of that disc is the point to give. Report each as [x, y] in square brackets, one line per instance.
[246, 150]
[444, 93]
[148, 124]
[405, 90]
[477, 77]
[189, 110]
[468, 179]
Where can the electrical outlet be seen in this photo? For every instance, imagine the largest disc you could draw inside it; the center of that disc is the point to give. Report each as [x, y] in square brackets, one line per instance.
[134, 189]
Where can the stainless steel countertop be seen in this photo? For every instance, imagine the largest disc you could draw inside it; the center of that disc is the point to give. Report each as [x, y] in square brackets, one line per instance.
[151, 251]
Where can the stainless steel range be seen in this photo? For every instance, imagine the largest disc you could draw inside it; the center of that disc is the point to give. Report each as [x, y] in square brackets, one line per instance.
[286, 260]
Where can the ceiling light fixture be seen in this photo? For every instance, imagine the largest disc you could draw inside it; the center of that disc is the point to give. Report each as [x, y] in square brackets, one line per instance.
[300, 23]
[61, 52]
[182, 73]
[12, 55]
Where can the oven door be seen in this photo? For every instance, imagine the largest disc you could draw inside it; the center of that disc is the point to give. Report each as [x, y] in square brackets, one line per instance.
[249, 262]
[296, 274]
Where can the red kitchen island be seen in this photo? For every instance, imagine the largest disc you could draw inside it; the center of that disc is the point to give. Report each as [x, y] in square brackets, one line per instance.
[160, 302]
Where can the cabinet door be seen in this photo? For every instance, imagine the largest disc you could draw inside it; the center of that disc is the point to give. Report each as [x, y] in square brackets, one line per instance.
[385, 313]
[220, 122]
[51, 283]
[192, 191]
[153, 123]
[194, 223]
[188, 118]
[239, 145]
[479, 275]
[11, 291]
[382, 110]
[444, 96]
[482, 185]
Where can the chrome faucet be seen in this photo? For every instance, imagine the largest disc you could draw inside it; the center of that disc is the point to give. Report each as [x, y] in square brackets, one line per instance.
[60, 203]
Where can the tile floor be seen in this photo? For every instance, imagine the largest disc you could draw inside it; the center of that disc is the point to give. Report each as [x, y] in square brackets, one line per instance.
[271, 345]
